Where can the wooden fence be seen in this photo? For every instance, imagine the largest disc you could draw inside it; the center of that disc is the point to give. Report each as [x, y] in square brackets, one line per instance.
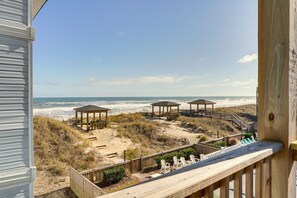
[83, 187]
[143, 164]
[226, 139]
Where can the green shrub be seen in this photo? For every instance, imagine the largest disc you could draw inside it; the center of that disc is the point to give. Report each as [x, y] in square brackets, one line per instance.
[248, 135]
[169, 156]
[187, 152]
[114, 175]
[203, 138]
[220, 144]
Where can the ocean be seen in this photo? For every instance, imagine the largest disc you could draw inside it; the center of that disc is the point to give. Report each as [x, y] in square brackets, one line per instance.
[62, 108]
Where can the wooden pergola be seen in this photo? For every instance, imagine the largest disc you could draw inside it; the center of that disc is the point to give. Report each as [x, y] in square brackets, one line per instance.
[202, 102]
[165, 104]
[91, 110]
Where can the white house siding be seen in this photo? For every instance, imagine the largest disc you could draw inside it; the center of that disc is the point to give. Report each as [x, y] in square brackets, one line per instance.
[17, 171]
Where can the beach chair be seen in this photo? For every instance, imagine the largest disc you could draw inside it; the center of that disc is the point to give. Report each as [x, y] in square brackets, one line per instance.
[253, 139]
[176, 163]
[165, 167]
[184, 162]
[193, 159]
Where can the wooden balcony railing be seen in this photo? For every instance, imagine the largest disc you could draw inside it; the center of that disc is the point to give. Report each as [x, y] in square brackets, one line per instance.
[247, 170]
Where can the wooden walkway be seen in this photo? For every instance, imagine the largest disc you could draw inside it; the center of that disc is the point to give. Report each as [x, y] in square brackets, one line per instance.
[235, 119]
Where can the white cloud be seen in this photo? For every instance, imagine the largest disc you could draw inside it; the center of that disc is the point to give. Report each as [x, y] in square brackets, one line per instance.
[248, 58]
[163, 79]
[238, 83]
[227, 83]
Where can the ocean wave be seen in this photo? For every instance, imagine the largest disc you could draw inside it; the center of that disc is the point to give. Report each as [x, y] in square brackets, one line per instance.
[64, 110]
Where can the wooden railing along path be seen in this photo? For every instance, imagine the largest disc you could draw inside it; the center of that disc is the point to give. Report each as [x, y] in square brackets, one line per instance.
[203, 178]
[235, 119]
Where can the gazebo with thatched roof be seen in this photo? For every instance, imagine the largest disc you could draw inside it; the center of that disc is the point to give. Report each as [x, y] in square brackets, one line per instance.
[162, 105]
[202, 102]
[97, 122]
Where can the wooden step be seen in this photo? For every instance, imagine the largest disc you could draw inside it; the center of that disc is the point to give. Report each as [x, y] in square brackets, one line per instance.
[101, 146]
[92, 138]
[111, 155]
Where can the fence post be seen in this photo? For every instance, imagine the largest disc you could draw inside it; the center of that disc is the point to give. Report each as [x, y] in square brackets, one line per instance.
[131, 166]
[125, 156]
[141, 164]
[92, 176]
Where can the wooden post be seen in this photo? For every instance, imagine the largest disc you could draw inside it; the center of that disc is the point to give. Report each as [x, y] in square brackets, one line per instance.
[141, 164]
[163, 111]
[106, 118]
[197, 109]
[167, 113]
[277, 91]
[75, 118]
[94, 114]
[81, 119]
[125, 158]
[159, 112]
[191, 109]
[131, 166]
[87, 121]
[152, 111]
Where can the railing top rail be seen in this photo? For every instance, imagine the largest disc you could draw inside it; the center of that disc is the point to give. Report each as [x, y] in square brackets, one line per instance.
[188, 180]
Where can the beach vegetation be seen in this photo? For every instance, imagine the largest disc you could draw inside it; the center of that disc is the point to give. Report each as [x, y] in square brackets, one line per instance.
[220, 144]
[114, 175]
[202, 138]
[136, 152]
[123, 118]
[233, 142]
[208, 126]
[58, 146]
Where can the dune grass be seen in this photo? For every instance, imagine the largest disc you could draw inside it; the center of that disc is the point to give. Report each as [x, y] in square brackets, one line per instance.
[143, 131]
[58, 146]
[208, 126]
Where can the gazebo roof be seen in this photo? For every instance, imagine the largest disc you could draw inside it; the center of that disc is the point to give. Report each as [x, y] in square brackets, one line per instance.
[202, 102]
[90, 108]
[165, 104]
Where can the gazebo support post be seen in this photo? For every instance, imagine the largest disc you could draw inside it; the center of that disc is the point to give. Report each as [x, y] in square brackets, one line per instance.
[106, 118]
[167, 113]
[88, 122]
[81, 119]
[197, 109]
[191, 109]
[75, 118]
[163, 111]
[94, 114]
[159, 112]
[152, 111]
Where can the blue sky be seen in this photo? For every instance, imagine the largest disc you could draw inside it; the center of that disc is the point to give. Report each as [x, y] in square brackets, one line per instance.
[146, 48]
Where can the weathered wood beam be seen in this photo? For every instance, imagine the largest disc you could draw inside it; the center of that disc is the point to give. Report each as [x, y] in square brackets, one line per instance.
[277, 89]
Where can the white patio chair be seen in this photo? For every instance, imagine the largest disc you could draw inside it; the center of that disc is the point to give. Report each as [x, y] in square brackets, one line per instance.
[176, 163]
[193, 159]
[184, 162]
[165, 167]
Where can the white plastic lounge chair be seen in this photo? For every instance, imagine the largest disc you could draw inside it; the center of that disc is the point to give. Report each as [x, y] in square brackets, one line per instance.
[253, 139]
[193, 159]
[183, 161]
[165, 167]
[176, 163]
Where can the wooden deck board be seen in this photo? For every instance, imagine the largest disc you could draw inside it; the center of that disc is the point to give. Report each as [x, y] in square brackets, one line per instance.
[186, 181]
